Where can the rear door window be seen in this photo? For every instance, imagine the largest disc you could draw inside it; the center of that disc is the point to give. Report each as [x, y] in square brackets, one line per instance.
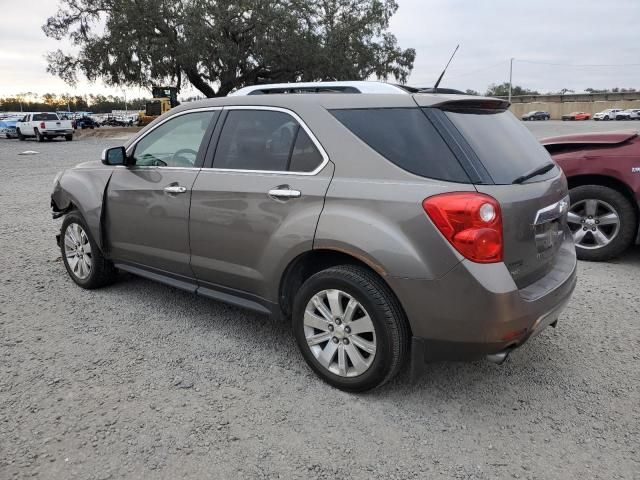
[505, 147]
[265, 140]
[406, 137]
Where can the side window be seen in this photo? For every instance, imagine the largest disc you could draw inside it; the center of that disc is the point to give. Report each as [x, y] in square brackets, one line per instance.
[407, 138]
[305, 156]
[265, 140]
[175, 143]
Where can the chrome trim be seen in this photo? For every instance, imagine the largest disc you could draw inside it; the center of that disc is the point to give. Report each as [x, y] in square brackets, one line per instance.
[552, 212]
[314, 139]
[173, 189]
[316, 142]
[284, 193]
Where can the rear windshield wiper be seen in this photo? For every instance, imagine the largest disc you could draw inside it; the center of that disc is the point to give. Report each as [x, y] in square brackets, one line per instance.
[544, 168]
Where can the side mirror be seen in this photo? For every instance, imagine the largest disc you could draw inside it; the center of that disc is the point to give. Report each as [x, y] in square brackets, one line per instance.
[114, 156]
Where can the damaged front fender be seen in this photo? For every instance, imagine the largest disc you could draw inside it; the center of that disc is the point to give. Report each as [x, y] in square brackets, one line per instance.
[83, 188]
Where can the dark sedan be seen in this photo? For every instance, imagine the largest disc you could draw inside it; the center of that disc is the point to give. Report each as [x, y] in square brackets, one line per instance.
[536, 115]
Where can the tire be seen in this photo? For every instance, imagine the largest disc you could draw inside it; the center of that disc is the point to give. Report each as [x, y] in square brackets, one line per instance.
[388, 329]
[20, 136]
[606, 117]
[100, 272]
[39, 136]
[68, 138]
[627, 222]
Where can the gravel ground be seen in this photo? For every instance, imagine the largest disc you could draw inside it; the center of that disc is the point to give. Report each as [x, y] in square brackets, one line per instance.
[140, 380]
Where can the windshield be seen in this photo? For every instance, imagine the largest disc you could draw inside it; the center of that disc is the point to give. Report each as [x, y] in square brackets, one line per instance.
[505, 147]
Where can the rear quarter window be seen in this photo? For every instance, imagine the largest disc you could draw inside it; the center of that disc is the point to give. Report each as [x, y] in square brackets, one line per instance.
[407, 138]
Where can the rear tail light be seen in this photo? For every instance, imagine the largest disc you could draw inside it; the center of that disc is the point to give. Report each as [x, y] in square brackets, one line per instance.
[42, 125]
[471, 222]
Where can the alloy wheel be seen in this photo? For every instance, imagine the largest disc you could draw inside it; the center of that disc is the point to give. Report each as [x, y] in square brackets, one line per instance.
[340, 333]
[77, 250]
[594, 223]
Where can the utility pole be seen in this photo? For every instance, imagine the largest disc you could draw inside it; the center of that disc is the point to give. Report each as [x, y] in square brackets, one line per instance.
[510, 77]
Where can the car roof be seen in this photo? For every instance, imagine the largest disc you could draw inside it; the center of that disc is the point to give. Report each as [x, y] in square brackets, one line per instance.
[333, 101]
[359, 86]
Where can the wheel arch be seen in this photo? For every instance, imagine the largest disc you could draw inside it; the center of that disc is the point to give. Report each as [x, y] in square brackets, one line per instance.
[313, 261]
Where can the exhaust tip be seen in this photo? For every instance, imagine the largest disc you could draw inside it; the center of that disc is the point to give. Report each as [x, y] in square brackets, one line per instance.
[499, 358]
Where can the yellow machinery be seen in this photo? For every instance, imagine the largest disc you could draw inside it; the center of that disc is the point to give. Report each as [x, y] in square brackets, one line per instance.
[164, 99]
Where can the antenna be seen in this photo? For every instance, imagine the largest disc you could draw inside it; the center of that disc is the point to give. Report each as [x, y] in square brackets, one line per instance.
[445, 69]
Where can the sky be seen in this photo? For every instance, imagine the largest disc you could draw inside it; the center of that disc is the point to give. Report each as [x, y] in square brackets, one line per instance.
[555, 44]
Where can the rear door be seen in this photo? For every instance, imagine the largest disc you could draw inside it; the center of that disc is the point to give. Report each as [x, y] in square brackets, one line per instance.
[147, 205]
[257, 204]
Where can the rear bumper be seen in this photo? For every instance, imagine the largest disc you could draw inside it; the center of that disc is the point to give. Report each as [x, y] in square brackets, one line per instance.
[477, 310]
[51, 133]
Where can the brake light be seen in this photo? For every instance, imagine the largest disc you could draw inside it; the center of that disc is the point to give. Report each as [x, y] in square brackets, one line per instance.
[471, 222]
[42, 125]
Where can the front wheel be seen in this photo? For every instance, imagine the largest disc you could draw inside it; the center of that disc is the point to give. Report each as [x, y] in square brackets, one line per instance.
[82, 258]
[602, 220]
[350, 328]
[20, 136]
[68, 138]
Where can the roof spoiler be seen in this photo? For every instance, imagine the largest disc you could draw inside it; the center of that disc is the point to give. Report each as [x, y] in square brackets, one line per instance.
[474, 105]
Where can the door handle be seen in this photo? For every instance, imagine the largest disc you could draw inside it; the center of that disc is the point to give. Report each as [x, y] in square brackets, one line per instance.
[284, 192]
[173, 189]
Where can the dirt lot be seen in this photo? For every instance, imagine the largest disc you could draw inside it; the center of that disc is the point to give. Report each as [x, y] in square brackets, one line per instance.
[140, 380]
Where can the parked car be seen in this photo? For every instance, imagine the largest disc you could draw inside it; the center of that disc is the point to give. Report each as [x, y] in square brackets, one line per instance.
[629, 114]
[608, 114]
[536, 115]
[385, 227]
[576, 116]
[603, 171]
[86, 122]
[8, 127]
[44, 126]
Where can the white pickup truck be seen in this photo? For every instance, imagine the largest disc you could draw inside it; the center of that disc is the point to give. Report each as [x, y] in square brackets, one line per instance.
[44, 126]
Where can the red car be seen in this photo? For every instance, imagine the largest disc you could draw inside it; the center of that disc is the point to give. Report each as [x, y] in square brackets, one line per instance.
[603, 171]
[576, 116]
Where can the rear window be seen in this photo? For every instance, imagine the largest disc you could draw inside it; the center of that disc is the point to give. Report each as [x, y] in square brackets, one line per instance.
[40, 117]
[406, 137]
[505, 147]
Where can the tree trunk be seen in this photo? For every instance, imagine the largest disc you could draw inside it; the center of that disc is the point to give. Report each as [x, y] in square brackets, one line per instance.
[198, 82]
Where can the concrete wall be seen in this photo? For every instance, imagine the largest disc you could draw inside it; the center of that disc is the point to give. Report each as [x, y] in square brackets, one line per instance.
[557, 105]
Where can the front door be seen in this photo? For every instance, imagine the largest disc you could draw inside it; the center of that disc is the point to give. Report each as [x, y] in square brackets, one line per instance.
[147, 205]
[259, 205]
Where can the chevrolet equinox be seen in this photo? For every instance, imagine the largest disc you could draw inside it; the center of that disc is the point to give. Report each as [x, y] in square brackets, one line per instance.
[387, 228]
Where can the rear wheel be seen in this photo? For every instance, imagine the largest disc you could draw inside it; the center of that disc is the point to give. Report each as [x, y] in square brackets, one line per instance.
[39, 136]
[82, 258]
[68, 138]
[602, 220]
[350, 328]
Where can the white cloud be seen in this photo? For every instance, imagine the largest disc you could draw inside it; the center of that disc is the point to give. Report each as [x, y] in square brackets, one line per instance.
[489, 33]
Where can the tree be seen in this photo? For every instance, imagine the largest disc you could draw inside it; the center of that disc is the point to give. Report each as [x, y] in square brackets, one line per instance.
[469, 91]
[220, 45]
[502, 90]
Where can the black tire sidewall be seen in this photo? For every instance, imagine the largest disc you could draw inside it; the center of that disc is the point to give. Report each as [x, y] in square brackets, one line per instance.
[626, 214]
[380, 367]
[95, 255]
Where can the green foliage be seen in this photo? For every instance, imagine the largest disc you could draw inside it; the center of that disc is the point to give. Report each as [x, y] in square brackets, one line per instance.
[220, 45]
[610, 90]
[502, 90]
